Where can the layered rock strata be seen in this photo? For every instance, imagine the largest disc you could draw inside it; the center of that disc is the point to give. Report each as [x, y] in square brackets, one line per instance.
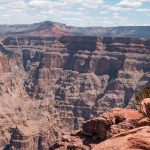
[49, 28]
[116, 129]
[64, 81]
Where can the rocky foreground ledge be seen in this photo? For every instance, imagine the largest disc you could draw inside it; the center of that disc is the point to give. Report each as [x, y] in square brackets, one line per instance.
[117, 129]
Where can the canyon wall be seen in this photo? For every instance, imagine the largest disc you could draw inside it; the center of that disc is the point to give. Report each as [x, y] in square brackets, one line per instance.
[49, 85]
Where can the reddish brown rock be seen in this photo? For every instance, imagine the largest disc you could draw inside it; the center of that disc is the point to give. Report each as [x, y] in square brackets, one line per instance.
[111, 123]
[136, 139]
[63, 81]
[145, 106]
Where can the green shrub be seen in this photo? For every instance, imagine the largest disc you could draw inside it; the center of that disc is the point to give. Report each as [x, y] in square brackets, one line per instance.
[144, 93]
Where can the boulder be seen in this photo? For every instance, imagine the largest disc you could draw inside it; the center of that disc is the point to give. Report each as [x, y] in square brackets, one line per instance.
[112, 122]
[135, 139]
[145, 106]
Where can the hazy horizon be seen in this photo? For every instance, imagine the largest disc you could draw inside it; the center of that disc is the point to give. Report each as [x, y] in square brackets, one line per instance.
[74, 25]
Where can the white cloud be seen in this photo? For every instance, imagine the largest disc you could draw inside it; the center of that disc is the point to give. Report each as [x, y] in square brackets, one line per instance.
[131, 3]
[65, 3]
[143, 10]
[129, 6]
[71, 12]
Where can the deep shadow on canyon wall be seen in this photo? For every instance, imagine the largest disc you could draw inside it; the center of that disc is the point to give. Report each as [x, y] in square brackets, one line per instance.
[71, 78]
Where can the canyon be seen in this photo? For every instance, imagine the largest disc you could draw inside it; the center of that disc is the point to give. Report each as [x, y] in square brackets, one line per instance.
[49, 86]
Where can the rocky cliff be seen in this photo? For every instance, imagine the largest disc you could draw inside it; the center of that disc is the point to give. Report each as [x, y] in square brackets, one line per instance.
[116, 129]
[49, 85]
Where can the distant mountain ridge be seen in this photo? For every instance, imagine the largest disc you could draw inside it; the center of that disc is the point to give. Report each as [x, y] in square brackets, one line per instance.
[48, 28]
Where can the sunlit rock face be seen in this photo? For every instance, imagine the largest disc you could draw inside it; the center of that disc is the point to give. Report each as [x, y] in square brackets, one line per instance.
[58, 83]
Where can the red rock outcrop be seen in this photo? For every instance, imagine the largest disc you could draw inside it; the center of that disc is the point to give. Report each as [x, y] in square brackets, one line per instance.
[145, 106]
[110, 123]
[136, 139]
[116, 129]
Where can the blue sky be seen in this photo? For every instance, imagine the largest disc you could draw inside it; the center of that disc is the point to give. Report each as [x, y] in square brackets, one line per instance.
[76, 12]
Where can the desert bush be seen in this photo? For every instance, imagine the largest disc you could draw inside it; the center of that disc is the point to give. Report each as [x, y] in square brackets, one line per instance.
[144, 93]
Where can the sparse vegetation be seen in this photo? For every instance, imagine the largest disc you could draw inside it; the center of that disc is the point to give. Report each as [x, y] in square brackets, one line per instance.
[144, 93]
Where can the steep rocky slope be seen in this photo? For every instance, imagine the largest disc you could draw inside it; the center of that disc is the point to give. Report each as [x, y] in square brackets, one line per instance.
[49, 28]
[118, 129]
[49, 85]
